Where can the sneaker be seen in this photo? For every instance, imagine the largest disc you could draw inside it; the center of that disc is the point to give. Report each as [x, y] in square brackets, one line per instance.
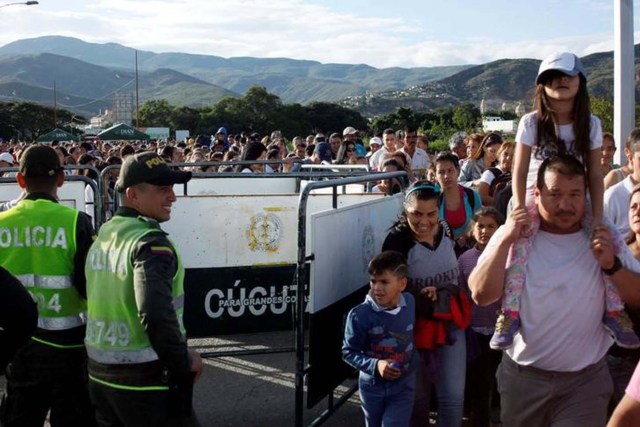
[506, 327]
[621, 328]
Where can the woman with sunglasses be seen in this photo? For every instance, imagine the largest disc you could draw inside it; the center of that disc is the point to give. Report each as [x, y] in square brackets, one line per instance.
[427, 244]
[345, 152]
[480, 160]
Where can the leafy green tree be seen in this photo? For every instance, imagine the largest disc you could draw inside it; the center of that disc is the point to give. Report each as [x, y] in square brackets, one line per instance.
[186, 118]
[263, 108]
[28, 120]
[466, 117]
[327, 117]
[379, 123]
[603, 108]
[156, 112]
[404, 118]
[232, 113]
[294, 120]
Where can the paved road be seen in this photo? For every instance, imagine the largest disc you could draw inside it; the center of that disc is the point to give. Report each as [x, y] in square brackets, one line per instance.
[253, 391]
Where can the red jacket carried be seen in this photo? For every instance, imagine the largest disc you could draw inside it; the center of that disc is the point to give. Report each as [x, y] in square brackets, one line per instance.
[451, 306]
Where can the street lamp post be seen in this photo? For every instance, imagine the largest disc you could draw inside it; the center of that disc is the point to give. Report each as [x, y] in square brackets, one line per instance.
[24, 3]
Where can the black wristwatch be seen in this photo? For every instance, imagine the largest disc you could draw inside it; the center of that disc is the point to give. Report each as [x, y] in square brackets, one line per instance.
[617, 265]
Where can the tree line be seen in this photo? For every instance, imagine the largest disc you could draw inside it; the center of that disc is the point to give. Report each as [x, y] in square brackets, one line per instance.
[262, 112]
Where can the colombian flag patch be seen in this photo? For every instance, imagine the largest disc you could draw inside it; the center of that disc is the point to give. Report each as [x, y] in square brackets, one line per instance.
[162, 250]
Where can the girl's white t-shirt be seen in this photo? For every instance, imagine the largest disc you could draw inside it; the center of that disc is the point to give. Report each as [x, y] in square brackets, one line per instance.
[527, 135]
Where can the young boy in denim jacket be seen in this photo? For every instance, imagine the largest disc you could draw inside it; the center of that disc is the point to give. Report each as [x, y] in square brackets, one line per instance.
[378, 341]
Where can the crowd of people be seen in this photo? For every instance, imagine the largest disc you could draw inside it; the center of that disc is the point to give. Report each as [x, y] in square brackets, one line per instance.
[505, 292]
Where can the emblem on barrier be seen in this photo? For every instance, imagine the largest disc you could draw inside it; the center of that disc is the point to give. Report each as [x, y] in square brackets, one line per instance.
[264, 232]
[368, 246]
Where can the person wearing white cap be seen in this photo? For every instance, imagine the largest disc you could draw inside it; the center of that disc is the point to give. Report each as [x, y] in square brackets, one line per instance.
[374, 145]
[6, 161]
[351, 134]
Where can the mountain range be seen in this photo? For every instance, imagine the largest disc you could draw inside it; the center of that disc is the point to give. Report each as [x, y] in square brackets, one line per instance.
[87, 75]
[498, 83]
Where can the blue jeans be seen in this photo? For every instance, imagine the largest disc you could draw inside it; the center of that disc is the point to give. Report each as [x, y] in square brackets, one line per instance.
[387, 403]
[449, 384]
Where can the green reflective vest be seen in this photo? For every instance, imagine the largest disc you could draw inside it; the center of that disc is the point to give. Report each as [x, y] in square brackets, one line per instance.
[114, 332]
[38, 246]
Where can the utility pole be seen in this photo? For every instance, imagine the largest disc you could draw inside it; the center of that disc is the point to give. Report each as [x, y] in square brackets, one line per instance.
[55, 106]
[623, 75]
[137, 98]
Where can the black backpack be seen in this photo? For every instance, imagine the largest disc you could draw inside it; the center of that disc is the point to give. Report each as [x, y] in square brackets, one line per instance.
[500, 181]
[501, 199]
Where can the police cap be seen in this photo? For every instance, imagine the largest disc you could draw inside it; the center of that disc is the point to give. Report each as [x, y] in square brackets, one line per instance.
[149, 168]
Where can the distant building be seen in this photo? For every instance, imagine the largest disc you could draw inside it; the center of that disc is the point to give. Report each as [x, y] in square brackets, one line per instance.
[122, 107]
[98, 123]
[497, 124]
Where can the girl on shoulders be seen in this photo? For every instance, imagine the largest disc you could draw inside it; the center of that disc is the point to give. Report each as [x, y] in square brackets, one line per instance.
[561, 123]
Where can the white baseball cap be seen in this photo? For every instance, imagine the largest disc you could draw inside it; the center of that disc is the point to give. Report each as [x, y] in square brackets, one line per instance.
[7, 157]
[565, 62]
[349, 130]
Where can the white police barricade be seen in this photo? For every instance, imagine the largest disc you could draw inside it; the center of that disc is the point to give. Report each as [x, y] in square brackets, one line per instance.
[345, 189]
[337, 247]
[239, 252]
[71, 194]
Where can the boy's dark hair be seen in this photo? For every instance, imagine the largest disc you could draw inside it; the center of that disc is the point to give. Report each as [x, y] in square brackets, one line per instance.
[392, 261]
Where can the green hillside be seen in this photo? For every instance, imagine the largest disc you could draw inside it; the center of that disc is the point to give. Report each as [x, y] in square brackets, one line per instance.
[292, 80]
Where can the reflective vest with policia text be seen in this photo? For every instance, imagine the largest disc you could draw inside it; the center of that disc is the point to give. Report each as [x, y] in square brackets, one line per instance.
[115, 335]
[38, 246]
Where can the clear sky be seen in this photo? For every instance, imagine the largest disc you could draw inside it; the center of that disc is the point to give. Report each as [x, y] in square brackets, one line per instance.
[405, 33]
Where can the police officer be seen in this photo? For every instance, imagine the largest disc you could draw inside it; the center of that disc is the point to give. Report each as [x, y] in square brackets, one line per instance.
[44, 244]
[18, 317]
[141, 371]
